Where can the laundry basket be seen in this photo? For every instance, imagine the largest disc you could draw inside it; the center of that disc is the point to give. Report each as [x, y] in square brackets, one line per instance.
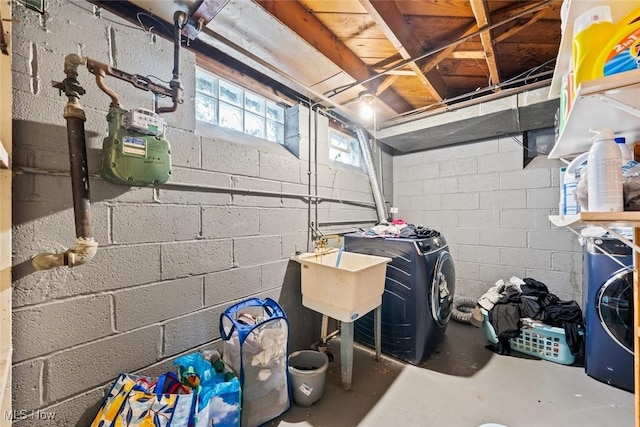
[255, 336]
[543, 341]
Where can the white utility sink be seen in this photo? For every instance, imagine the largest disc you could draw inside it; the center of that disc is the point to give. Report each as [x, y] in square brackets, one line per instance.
[346, 292]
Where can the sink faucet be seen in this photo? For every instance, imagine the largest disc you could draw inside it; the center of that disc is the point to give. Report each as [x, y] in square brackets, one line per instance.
[322, 243]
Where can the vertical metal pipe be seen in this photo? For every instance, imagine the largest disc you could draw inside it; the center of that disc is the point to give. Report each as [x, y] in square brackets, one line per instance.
[179, 19]
[381, 208]
[85, 247]
[315, 163]
[79, 176]
[310, 201]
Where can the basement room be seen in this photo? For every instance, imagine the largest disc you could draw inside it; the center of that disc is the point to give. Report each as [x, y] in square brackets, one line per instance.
[319, 213]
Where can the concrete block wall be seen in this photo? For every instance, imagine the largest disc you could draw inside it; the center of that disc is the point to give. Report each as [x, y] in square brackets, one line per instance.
[170, 259]
[493, 213]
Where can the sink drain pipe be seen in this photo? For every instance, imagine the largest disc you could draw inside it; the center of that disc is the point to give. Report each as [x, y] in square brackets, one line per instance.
[381, 208]
[85, 247]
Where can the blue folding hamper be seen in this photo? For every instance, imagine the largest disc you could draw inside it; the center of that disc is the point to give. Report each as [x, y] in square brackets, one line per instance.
[255, 337]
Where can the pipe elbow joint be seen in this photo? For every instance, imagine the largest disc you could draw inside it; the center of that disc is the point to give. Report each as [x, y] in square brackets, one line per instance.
[83, 251]
[71, 63]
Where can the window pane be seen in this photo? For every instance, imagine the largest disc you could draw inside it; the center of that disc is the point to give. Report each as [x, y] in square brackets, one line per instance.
[344, 148]
[275, 132]
[230, 117]
[354, 154]
[230, 93]
[275, 112]
[337, 155]
[206, 109]
[206, 84]
[339, 140]
[254, 103]
[254, 125]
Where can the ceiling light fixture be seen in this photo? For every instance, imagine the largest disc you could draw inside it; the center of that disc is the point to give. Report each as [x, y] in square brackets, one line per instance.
[366, 107]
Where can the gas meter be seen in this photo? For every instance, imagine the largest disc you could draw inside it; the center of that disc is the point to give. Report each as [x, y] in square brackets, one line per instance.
[135, 152]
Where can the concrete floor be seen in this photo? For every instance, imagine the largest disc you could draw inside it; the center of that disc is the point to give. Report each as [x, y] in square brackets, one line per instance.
[462, 384]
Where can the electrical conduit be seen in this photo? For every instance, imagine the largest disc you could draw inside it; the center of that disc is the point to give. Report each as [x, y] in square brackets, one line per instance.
[373, 179]
[85, 247]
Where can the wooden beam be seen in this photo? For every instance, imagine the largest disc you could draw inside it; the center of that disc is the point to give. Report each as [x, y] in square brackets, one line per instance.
[483, 18]
[302, 22]
[398, 72]
[390, 19]
[437, 58]
[386, 83]
[467, 54]
[516, 29]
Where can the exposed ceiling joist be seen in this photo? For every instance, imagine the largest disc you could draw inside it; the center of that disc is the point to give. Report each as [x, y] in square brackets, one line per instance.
[516, 29]
[483, 18]
[389, 18]
[508, 13]
[398, 72]
[309, 28]
[386, 83]
[437, 58]
[467, 54]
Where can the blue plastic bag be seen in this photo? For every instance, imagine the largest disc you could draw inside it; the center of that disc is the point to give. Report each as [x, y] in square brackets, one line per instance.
[218, 398]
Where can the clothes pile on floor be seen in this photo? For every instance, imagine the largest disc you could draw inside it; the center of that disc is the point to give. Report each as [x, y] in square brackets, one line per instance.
[509, 303]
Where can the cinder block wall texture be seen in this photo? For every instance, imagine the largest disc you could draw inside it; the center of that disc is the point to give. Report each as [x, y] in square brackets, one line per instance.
[493, 213]
[170, 260]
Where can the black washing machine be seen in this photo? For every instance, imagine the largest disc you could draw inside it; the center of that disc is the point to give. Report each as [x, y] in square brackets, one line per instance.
[608, 308]
[418, 295]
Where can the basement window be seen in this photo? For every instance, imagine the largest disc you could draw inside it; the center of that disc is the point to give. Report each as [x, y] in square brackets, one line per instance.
[222, 103]
[537, 142]
[344, 148]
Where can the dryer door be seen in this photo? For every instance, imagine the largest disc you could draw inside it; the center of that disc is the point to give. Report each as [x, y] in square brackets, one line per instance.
[614, 305]
[443, 288]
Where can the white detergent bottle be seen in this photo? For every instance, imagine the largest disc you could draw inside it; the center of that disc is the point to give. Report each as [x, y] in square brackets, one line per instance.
[604, 179]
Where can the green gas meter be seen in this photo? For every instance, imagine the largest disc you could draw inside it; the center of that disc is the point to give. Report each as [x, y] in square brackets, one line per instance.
[135, 152]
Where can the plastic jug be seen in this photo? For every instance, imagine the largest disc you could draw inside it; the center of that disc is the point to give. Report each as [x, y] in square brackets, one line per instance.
[592, 32]
[568, 203]
[625, 150]
[622, 51]
[604, 179]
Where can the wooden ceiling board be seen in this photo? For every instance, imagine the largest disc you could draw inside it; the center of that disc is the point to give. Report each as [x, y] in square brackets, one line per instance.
[464, 67]
[417, 100]
[333, 6]
[465, 84]
[347, 26]
[524, 50]
[436, 28]
[532, 46]
[367, 48]
[494, 5]
[447, 8]
[543, 32]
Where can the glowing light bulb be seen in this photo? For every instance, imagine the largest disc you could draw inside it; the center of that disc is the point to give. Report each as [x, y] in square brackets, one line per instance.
[366, 111]
[366, 107]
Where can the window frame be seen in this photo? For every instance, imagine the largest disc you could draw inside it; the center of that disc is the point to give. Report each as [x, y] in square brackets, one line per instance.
[349, 138]
[268, 130]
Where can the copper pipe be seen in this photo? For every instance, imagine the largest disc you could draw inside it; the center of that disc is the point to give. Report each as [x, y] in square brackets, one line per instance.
[115, 99]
